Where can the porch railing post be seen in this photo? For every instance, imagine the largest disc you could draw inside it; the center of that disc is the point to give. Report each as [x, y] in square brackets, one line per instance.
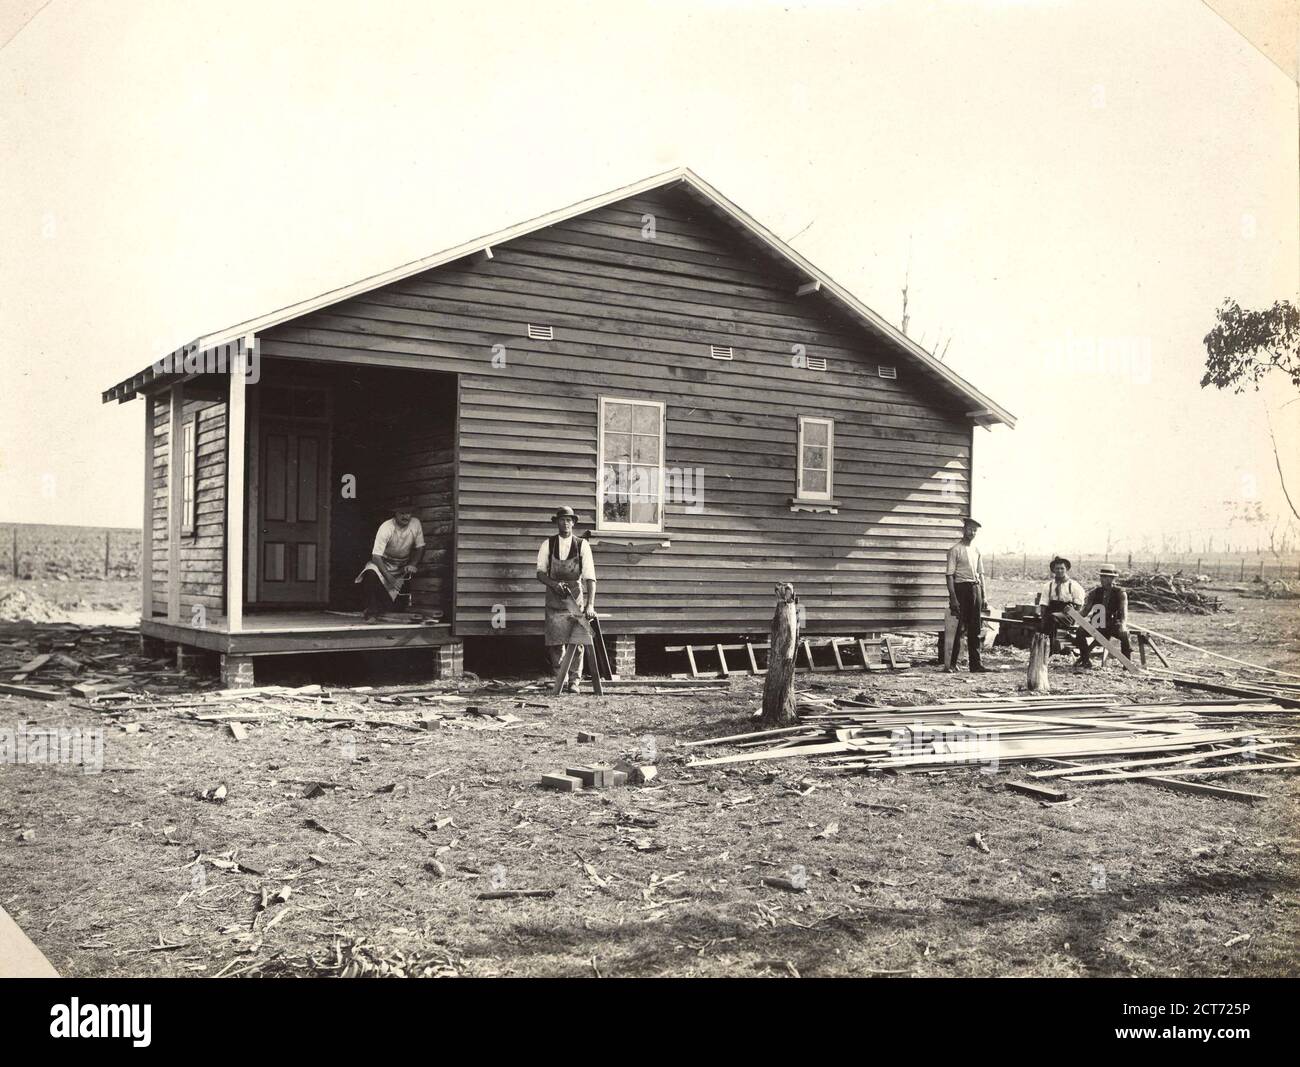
[235, 429]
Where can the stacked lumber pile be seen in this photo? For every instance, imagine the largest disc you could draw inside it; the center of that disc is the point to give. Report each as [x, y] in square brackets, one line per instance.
[1164, 742]
[1168, 592]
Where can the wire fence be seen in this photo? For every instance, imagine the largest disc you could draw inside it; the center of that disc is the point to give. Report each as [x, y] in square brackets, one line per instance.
[69, 552]
[1220, 567]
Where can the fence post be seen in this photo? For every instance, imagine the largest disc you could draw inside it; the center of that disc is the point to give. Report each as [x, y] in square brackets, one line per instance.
[1024, 565]
[1243, 569]
[107, 535]
[15, 559]
[1130, 562]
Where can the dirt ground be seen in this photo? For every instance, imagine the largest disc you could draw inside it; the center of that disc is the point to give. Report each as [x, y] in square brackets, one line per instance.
[332, 835]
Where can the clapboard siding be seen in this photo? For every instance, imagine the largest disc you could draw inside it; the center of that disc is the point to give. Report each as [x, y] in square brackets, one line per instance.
[634, 318]
[202, 553]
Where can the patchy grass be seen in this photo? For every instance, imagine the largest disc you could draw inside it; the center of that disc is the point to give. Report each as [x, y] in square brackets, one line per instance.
[665, 880]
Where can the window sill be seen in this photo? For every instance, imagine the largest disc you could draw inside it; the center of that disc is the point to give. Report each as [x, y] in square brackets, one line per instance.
[635, 540]
[831, 506]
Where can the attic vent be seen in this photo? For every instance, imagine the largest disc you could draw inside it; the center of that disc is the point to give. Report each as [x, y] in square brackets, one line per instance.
[887, 372]
[541, 333]
[816, 362]
[721, 352]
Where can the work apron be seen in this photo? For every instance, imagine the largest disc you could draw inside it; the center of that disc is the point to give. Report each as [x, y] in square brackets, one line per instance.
[561, 626]
[392, 570]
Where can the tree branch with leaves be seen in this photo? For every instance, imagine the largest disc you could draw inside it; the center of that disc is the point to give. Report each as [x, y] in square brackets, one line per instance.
[1245, 346]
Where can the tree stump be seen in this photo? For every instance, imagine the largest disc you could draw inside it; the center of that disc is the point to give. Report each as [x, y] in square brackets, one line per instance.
[778, 685]
[1040, 649]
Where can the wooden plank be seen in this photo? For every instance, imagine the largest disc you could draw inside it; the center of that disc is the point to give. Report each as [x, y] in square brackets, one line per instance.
[1039, 792]
[690, 658]
[562, 674]
[175, 478]
[1216, 655]
[753, 660]
[1102, 640]
[1121, 775]
[29, 692]
[1152, 645]
[146, 525]
[1059, 772]
[722, 662]
[236, 438]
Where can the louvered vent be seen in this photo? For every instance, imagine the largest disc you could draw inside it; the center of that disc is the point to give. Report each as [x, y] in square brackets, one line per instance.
[541, 333]
[887, 372]
[816, 362]
[721, 352]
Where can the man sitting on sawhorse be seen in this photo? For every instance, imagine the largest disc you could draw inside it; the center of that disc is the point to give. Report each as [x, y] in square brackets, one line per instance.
[566, 568]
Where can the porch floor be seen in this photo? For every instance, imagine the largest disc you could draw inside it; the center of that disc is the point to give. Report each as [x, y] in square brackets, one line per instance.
[291, 632]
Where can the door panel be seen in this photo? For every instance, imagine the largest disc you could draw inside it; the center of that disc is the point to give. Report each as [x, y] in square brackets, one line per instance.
[294, 512]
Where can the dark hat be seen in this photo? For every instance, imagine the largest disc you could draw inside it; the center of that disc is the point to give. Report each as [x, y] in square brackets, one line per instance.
[402, 503]
[1109, 568]
[968, 521]
[1058, 559]
[564, 512]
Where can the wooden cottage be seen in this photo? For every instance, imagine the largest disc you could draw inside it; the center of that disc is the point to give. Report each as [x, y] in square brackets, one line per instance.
[719, 412]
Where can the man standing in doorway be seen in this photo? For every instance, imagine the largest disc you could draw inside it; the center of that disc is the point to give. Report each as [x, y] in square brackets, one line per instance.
[566, 568]
[966, 597]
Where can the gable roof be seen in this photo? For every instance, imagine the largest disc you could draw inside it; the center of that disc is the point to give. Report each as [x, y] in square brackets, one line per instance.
[983, 409]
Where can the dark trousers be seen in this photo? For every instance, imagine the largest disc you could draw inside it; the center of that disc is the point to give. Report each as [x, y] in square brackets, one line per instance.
[1119, 633]
[968, 622]
[374, 597]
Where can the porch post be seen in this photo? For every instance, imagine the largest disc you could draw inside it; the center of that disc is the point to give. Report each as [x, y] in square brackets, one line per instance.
[235, 429]
[146, 528]
[175, 487]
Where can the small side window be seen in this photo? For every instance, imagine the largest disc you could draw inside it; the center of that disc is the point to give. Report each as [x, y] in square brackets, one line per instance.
[816, 459]
[189, 476]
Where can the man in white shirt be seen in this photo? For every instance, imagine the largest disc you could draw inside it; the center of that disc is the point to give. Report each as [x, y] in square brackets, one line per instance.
[565, 566]
[394, 557]
[1060, 593]
[966, 599]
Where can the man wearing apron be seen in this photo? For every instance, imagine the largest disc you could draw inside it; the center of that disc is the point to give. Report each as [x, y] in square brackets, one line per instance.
[394, 557]
[1058, 594]
[566, 568]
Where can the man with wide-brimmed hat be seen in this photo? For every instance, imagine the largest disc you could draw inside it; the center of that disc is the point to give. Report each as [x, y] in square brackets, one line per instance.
[1056, 598]
[565, 566]
[1107, 605]
[394, 559]
[966, 598]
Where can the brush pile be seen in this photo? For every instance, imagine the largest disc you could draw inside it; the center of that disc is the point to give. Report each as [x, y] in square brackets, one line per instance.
[1168, 592]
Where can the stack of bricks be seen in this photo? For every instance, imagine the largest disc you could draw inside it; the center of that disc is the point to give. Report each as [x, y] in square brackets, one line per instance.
[576, 778]
[192, 660]
[451, 660]
[237, 672]
[625, 657]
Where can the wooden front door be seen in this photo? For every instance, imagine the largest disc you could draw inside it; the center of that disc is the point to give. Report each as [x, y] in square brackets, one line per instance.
[293, 512]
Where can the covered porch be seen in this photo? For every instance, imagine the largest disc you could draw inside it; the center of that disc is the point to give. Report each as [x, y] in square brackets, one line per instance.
[265, 482]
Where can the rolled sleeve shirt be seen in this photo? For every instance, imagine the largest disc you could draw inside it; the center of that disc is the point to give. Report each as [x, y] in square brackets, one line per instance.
[397, 542]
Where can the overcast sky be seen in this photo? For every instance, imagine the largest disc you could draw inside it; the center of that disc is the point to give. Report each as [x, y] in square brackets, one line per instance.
[1077, 187]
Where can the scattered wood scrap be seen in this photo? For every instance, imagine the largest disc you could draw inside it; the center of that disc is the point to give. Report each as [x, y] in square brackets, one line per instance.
[1145, 742]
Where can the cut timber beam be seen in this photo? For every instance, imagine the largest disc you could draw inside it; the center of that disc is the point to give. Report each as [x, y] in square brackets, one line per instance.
[808, 288]
[1118, 776]
[1084, 624]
